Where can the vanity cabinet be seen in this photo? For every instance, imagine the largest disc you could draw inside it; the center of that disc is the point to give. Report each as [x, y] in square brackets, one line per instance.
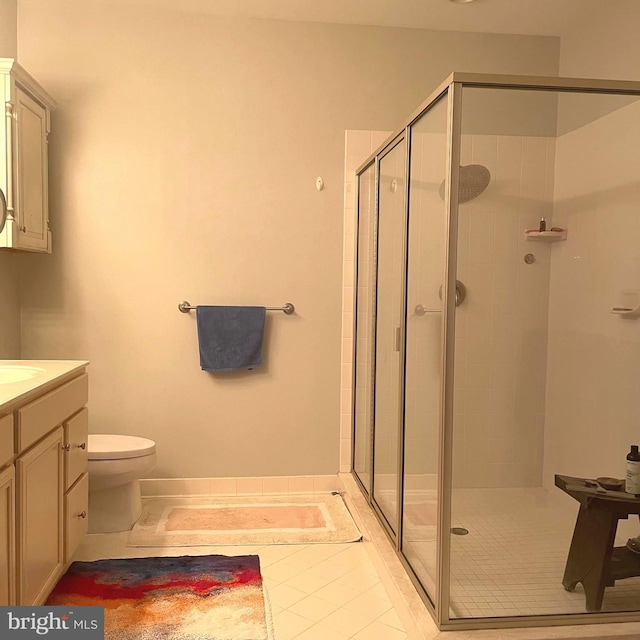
[47, 453]
[7, 536]
[39, 477]
[24, 133]
[7, 514]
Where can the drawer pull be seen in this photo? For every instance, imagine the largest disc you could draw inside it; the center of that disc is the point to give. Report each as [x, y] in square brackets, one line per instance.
[79, 445]
[82, 514]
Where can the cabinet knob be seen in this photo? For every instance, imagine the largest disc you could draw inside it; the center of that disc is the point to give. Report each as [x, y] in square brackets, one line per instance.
[66, 447]
[82, 514]
[23, 229]
[82, 445]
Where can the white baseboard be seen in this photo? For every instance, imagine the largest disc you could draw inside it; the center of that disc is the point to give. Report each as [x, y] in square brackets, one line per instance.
[259, 486]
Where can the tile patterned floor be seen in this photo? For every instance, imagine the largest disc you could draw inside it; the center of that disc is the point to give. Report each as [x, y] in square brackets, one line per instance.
[316, 592]
[512, 561]
[348, 591]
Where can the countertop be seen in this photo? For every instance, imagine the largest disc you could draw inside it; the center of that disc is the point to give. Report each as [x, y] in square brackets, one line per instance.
[55, 372]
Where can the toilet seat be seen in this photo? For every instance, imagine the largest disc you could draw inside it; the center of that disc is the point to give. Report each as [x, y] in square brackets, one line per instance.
[103, 446]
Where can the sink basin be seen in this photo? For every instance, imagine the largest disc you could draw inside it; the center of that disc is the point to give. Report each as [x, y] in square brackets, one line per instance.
[17, 373]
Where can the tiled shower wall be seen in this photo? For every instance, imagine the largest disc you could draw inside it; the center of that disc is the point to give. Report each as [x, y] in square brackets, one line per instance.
[501, 329]
[593, 399]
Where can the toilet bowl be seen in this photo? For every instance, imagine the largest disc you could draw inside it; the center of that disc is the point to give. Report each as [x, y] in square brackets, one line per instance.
[115, 464]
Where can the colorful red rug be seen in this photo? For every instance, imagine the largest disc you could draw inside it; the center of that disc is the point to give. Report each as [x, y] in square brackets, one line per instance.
[179, 598]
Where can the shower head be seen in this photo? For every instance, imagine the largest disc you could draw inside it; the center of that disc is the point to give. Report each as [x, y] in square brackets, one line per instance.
[474, 179]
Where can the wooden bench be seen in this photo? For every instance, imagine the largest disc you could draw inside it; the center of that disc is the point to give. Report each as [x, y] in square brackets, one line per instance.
[593, 560]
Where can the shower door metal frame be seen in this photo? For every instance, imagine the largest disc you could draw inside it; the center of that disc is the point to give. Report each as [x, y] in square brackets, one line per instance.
[394, 536]
[444, 93]
[365, 490]
[445, 452]
[454, 86]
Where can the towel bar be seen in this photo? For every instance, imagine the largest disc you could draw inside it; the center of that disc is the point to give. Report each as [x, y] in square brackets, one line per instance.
[288, 307]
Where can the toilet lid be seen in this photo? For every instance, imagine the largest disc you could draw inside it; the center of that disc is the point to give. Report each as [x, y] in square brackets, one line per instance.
[103, 446]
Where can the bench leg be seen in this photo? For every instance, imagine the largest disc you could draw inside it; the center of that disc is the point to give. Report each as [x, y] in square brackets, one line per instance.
[589, 554]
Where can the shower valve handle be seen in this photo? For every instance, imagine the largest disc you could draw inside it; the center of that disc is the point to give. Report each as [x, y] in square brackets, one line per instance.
[461, 294]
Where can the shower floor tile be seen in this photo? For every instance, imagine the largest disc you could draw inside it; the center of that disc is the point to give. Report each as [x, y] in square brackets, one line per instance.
[513, 559]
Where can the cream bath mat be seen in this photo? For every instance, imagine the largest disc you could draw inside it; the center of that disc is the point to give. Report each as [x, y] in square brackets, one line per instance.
[246, 520]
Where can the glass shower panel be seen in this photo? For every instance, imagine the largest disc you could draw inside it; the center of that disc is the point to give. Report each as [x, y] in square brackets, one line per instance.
[501, 349]
[542, 364]
[423, 372]
[363, 382]
[389, 318]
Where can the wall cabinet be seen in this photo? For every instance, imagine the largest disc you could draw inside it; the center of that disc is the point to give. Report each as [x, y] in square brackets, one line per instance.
[51, 491]
[24, 133]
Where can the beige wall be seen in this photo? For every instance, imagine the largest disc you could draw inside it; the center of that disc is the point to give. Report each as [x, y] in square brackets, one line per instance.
[9, 309]
[184, 155]
[606, 45]
[8, 28]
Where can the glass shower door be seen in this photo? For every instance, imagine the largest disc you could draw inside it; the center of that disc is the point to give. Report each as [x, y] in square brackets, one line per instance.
[365, 300]
[389, 321]
[426, 253]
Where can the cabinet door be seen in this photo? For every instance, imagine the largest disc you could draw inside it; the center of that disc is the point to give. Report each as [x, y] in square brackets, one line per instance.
[31, 160]
[7, 538]
[39, 484]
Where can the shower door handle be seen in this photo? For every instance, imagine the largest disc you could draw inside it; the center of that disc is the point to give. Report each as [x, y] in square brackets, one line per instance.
[398, 338]
[421, 310]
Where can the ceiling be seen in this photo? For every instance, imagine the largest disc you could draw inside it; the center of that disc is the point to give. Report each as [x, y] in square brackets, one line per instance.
[530, 17]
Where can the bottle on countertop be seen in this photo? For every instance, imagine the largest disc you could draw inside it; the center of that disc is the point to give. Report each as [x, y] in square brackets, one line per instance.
[632, 480]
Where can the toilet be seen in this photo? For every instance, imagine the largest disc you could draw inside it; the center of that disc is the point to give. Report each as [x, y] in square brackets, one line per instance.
[116, 464]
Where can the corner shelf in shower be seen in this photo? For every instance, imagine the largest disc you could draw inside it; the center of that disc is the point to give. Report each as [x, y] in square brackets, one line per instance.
[546, 236]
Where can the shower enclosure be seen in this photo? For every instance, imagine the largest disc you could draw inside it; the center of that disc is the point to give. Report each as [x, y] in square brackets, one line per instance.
[497, 344]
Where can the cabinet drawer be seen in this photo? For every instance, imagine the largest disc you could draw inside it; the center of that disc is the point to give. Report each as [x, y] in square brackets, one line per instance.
[6, 440]
[76, 521]
[76, 430]
[39, 417]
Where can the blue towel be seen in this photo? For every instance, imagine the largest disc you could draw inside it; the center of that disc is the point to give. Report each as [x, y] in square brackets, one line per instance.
[230, 338]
